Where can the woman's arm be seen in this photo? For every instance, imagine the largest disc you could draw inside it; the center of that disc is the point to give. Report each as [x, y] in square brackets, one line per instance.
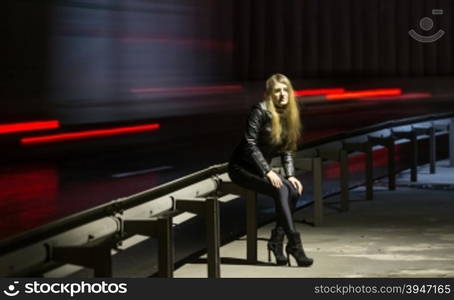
[289, 168]
[255, 123]
[287, 163]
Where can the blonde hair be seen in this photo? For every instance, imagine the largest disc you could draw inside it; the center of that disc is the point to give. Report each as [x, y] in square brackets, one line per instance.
[291, 115]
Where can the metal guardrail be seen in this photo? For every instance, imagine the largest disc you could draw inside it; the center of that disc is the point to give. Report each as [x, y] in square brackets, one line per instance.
[36, 246]
[100, 229]
[377, 127]
[107, 210]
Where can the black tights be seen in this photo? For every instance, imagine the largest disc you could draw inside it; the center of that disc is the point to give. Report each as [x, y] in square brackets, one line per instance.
[285, 197]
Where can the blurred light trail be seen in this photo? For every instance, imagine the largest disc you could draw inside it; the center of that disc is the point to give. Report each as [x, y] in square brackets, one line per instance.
[226, 45]
[365, 93]
[214, 89]
[409, 96]
[314, 92]
[28, 126]
[46, 139]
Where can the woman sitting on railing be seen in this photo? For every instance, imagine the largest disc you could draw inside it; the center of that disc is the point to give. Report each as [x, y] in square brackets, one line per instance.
[273, 128]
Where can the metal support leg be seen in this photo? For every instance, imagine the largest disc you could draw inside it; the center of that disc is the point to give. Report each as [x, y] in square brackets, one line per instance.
[391, 166]
[209, 208]
[213, 237]
[451, 143]
[432, 150]
[344, 180]
[387, 142]
[251, 217]
[251, 226]
[369, 173]
[95, 256]
[103, 264]
[318, 198]
[166, 248]
[160, 228]
[414, 158]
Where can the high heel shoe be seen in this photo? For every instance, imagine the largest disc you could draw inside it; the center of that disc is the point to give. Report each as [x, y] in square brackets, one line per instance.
[295, 249]
[275, 245]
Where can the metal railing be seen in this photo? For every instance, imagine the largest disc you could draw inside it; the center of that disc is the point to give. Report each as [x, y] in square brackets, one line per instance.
[87, 238]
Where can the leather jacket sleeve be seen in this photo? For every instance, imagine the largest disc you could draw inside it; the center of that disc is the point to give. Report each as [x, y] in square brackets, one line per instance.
[287, 163]
[255, 123]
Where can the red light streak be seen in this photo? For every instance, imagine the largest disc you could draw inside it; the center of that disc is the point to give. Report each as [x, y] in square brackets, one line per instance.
[410, 96]
[28, 126]
[315, 92]
[365, 93]
[87, 134]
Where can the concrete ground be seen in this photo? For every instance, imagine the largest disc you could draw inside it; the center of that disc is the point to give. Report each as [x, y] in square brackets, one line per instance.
[408, 232]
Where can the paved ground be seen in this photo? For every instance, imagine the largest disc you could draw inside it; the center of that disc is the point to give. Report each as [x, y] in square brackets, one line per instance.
[404, 233]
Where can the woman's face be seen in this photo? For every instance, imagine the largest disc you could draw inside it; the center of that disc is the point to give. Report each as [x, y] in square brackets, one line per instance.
[279, 94]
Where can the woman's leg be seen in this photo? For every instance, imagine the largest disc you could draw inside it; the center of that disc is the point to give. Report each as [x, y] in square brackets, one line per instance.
[294, 195]
[283, 196]
[292, 200]
[284, 209]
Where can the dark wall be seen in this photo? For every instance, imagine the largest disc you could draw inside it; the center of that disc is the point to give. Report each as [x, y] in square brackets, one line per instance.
[331, 38]
[24, 59]
[90, 61]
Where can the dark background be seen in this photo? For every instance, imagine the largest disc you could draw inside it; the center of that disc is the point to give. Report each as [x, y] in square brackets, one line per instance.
[80, 61]
[329, 38]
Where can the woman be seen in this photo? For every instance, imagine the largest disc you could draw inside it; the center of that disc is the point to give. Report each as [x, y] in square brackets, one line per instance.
[273, 128]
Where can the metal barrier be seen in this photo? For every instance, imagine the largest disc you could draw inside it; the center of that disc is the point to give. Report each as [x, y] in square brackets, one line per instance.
[388, 142]
[311, 162]
[87, 238]
[47, 247]
[160, 228]
[228, 187]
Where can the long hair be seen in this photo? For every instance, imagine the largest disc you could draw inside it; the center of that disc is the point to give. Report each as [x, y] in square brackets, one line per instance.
[290, 116]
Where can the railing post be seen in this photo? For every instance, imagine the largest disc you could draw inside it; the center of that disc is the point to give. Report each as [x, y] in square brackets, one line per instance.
[432, 150]
[250, 198]
[209, 208]
[159, 227]
[369, 172]
[213, 237]
[317, 169]
[391, 165]
[103, 264]
[251, 226]
[166, 247]
[451, 143]
[414, 157]
[94, 255]
[388, 143]
[344, 180]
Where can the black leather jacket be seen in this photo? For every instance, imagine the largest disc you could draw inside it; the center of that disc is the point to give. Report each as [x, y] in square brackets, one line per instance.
[255, 150]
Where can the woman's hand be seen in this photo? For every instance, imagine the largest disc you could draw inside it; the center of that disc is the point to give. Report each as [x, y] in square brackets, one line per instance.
[297, 184]
[274, 179]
